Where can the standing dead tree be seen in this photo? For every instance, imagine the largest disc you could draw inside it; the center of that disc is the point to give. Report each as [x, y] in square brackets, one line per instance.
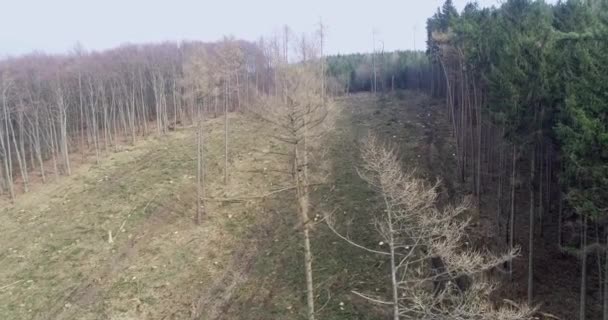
[54, 105]
[434, 273]
[198, 86]
[299, 113]
[231, 61]
[5, 149]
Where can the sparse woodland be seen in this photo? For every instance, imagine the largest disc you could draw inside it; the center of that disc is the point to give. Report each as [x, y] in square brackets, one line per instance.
[523, 89]
[60, 109]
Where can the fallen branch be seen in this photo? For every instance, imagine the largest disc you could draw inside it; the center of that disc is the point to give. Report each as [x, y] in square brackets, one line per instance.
[10, 285]
[266, 195]
[250, 197]
[122, 225]
[372, 299]
[326, 302]
[351, 242]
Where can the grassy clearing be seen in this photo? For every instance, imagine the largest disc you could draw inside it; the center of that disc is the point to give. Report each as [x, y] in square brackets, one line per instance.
[57, 263]
[274, 288]
[243, 262]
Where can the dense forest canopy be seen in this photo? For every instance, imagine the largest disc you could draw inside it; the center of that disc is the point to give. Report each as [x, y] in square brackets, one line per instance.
[526, 90]
[537, 70]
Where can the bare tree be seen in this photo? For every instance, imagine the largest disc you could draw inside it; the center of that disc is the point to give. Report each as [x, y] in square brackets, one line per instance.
[5, 148]
[231, 60]
[299, 113]
[434, 273]
[321, 35]
[197, 82]
[52, 105]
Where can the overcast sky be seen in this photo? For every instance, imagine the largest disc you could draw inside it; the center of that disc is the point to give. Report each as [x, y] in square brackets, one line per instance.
[54, 26]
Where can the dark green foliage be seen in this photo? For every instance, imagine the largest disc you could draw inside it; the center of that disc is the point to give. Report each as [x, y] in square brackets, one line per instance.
[543, 73]
[403, 69]
[582, 126]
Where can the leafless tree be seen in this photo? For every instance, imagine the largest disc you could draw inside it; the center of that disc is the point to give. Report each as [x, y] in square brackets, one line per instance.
[54, 105]
[231, 60]
[434, 273]
[198, 85]
[5, 149]
[299, 114]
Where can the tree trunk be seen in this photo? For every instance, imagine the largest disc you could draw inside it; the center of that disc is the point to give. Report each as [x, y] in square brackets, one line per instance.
[512, 213]
[394, 282]
[6, 148]
[20, 159]
[38, 146]
[310, 299]
[52, 137]
[238, 92]
[605, 302]
[559, 220]
[500, 183]
[304, 205]
[226, 99]
[200, 191]
[22, 135]
[583, 296]
[143, 104]
[63, 144]
[531, 235]
[479, 131]
[540, 192]
[81, 118]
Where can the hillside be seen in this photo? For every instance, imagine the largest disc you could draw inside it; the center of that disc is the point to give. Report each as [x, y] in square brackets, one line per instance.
[242, 262]
[58, 262]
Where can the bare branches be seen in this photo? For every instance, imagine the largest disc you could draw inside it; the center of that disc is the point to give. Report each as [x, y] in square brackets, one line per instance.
[330, 224]
[54, 105]
[298, 111]
[433, 271]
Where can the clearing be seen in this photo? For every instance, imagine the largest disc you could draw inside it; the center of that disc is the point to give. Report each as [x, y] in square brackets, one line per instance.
[244, 260]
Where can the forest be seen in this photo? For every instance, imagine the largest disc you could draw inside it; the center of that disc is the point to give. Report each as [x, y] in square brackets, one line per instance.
[54, 106]
[523, 89]
[524, 94]
[391, 71]
[269, 180]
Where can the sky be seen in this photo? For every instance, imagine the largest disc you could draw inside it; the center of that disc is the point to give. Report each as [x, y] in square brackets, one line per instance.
[55, 26]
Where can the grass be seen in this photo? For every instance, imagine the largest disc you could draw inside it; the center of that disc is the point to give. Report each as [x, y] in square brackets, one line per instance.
[56, 261]
[274, 288]
[243, 262]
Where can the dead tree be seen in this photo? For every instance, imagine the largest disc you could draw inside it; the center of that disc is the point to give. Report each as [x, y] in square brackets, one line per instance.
[5, 148]
[299, 114]
[231, 60]
[198, 86]
[434, 273]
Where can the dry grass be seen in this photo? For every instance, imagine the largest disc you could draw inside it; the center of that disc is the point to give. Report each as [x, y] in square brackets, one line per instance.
[275, 286]
[243, 262]
[56, 261]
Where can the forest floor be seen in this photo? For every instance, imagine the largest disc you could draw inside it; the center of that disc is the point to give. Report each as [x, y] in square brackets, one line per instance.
[245, 259]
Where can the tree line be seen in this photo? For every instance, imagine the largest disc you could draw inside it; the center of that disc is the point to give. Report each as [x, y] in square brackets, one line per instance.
[54, 107]
[378, 71]
[525, 89]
